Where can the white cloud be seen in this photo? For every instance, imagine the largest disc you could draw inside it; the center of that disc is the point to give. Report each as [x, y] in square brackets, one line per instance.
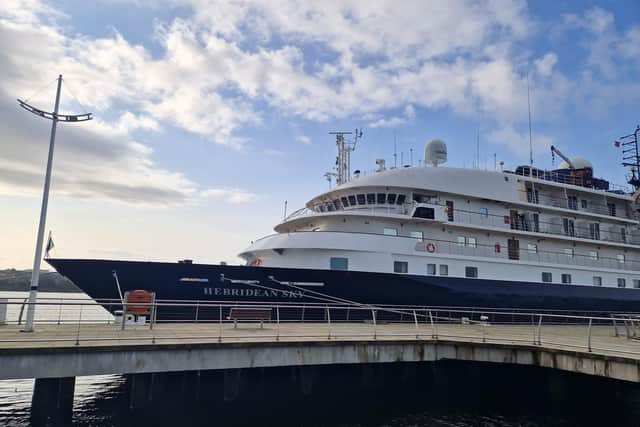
[408, 115]
[518, 141]
[303, 139]
[233, 196]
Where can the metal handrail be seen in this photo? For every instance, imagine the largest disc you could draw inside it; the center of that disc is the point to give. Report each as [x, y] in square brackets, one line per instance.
[422, 323]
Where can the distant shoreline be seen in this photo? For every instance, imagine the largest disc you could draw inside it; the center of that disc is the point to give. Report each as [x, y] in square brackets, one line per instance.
[12, 280]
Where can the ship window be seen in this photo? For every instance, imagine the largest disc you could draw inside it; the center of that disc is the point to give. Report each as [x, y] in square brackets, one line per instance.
[547, 277]
[532, 195]
[484, 212]
[471, 272]
[391, 199]
[622, 283]
[572, 202]
[532, 248]
[339, 263]
[620, 258]
[321, 207]
[330, 207]
[593, 255]
[416, 234]
[444, 270]
[422, 212]
[569, 252]
[584, 204]
[401, 198]
[623, 235]
[352, 200]
[371, 198]
[636, 283]
[381, 198]
[461, 240]
[345, 202]
[337, 205]
[597, 281]
[390, 231]
[472, 242]
[431, 269]
[361, 200]
[568, 227]
[566, 279]
[594, 230]
[612, 209]
[400, 267]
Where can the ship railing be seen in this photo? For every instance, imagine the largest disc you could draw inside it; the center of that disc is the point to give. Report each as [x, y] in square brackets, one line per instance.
[578, 181]
[85, 321]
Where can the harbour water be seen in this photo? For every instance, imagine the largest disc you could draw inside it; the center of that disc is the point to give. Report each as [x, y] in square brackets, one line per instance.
[103, 400]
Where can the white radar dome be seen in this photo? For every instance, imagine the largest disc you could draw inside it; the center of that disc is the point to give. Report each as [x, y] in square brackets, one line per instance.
[578, 163]
[435, 152]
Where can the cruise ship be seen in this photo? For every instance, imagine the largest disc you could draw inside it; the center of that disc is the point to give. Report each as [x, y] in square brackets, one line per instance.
[428, 235]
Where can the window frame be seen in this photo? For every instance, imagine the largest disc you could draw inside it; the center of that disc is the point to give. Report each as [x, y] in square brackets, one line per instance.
[404, 264]
[546, 275]
[471, 272]
[389, 231]
[334, 259]
[429, 269]
[565, 279]
[443, 271]
[597, 280]
[622, 282]
[416, 235]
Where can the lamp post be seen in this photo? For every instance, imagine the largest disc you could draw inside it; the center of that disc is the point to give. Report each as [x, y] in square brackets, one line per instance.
[54, 117]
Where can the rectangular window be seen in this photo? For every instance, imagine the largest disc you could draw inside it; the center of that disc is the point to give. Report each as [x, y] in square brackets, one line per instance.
[431, 269]
[462, 240]
[532, 248]
[568, 227]
[572, 202]
[361, 199]
[532, 195]
[381, 198]
[352, 200]
[371, 198]
[401, 198]
[416, 235]
[339, 263]
[620, 258]
[594, 230]
[471, 272]
[444, 270]
[566, 279]
[547, 277]
[449, 209]
[597, 281]
[472, 242]
[484, 213]
[612, 209]
[390, 231]
[535, 222]
[391, 199]
[623, 235]
[569, 252]
[345, 202]
[400, 267]
[636, 284]
[593, 255]
[622, 283]
[584, 204]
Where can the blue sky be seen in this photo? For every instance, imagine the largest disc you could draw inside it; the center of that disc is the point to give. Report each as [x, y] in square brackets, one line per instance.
[210, 114]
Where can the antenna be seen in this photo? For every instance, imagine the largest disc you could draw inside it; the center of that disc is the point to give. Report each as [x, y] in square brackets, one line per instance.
[630, 156]
[478, 149]
[411, 155]
[530, 131]
[395, 151]
[343, 160]
[55, 118]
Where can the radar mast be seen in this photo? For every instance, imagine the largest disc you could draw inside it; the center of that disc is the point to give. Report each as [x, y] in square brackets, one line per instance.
[343, 160]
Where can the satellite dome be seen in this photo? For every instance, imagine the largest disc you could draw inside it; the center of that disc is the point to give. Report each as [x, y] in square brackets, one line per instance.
[435, 152]
[578, 163]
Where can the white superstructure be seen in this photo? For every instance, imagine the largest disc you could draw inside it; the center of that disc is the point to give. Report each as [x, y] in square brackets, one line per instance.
[522, 226]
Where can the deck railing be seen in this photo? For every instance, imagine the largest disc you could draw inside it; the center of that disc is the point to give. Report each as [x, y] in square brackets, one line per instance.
[325, 320]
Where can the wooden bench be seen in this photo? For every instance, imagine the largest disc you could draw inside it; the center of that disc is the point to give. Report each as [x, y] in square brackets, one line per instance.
[249, 314]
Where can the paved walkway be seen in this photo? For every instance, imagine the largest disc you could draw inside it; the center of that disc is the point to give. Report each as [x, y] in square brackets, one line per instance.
[553, 337]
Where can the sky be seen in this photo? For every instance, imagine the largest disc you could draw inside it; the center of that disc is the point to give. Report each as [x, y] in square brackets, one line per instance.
[208, 115]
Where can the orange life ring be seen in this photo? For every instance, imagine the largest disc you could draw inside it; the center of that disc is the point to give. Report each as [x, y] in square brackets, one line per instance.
[139, 302]
[431, 248]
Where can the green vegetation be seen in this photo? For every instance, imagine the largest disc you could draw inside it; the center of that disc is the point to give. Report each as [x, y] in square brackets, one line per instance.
[50, 281]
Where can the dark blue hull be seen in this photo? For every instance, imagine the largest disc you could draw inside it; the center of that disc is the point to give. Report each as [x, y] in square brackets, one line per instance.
[177, 281]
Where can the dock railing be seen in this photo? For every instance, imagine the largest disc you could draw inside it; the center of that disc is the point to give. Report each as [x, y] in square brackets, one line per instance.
[85, 321]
